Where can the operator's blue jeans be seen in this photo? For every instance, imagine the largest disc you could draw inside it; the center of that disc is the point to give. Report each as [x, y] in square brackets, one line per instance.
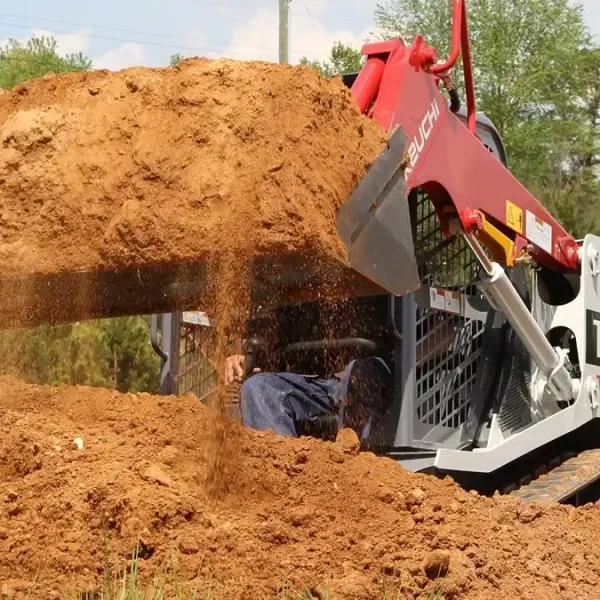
[277, 401]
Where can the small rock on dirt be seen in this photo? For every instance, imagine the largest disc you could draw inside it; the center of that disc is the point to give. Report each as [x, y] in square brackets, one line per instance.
[348, 441]
[10, 496]
[155, 474]
[188, 545]
[77, 444]
[437, 564]
[416, 497]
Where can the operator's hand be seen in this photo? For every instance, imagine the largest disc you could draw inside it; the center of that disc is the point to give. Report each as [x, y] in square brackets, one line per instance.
[234, 369]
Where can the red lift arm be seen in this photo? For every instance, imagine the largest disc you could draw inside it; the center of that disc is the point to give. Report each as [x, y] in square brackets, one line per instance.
[399, 87]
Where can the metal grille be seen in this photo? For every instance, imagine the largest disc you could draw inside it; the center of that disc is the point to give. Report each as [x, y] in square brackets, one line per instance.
[448, 344]
[444, 384]
[448, 263]
[515, 411]
[197, 372]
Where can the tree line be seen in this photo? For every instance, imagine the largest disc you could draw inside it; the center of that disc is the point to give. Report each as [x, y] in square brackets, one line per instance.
[537, 76]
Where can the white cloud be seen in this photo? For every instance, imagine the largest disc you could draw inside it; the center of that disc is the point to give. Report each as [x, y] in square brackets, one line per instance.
[258, 39]
[126, 55]
[129, 54]
[67, 43]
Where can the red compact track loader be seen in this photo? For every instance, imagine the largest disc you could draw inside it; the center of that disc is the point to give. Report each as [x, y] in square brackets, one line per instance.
[456, 241]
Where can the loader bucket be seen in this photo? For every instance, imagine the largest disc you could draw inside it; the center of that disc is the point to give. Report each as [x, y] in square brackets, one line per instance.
[375, 225]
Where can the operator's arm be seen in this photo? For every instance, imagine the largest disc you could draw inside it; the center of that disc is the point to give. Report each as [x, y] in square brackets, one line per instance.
[250, 356]
[234, 369]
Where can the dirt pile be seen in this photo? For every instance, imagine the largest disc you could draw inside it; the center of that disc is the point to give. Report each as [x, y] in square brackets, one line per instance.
[301, 513]
[107, 170]
[215, 161]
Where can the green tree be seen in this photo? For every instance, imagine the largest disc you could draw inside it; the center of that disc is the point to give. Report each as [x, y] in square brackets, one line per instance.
[133, 364]
[175, 59]
[113, 353]
[21, 62]
[532, 61]
[343, 59]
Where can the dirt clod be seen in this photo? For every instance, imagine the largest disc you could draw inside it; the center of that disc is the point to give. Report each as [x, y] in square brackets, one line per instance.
[156, 474]
[11, 496]
[348, 441]
[437, 564]
[416, 497]
[188, 545]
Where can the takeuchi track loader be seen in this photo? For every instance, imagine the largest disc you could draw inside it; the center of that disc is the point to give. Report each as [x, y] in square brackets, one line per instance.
[457, 244]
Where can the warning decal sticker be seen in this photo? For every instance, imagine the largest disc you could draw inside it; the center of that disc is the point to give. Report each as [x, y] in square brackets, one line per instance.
[514, 217]
[452, 302]
[437, 298]
[539, 232]
[445, 300]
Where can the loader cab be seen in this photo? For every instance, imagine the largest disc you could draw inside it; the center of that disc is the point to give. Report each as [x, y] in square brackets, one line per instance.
[431, 340]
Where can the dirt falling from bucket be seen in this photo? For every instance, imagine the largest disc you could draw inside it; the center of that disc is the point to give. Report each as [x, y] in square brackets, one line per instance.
[232, 302]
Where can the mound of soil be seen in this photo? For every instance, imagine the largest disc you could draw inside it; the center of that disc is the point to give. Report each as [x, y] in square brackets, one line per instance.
[103, 170]
[298, 513]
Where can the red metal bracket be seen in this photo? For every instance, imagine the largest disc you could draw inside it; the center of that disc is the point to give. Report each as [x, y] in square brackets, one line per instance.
[366, 86]
[472, 220]
[422, 56]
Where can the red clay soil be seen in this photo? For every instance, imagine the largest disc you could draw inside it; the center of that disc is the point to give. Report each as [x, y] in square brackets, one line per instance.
[302, 513]
[103, 170]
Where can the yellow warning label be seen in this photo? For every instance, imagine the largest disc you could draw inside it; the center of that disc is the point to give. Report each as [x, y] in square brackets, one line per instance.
[514, 217]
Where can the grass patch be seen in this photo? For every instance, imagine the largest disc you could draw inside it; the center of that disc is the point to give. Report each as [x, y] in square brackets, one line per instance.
[125, 585]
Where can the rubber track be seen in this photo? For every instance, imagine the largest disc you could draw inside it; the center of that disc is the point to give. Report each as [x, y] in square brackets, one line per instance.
[562, 481]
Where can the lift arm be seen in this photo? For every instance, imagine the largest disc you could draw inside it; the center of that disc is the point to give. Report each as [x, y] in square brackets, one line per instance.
[399, 88]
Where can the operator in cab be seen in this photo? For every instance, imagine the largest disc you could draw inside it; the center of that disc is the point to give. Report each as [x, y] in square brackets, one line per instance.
[278, 401]
[354, 385]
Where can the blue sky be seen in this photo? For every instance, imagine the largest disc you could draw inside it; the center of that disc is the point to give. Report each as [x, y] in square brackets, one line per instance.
[122, 33]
